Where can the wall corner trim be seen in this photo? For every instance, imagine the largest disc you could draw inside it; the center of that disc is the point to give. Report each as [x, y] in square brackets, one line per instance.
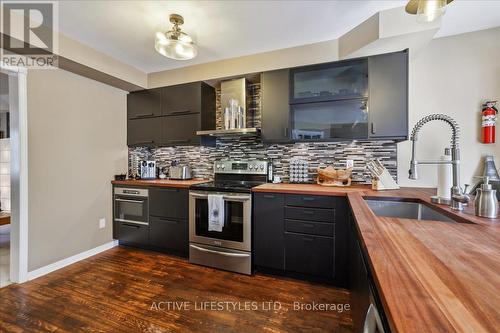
[70, 260]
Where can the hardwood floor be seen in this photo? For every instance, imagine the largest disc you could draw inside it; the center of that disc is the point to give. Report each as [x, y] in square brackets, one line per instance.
[121, 290]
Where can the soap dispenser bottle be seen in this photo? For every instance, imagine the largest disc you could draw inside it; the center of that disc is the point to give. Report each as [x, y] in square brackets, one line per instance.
[486, 202]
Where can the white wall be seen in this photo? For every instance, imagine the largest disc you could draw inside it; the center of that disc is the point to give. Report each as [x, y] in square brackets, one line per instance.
[77, 142]
[452, 75]
[5, 174]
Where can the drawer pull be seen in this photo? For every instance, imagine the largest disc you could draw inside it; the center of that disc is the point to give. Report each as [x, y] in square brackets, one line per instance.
[144, 115]
[180, 112]
[308, 212]
[308, 199]
[308, 225]
[308, 239]
[269, 196]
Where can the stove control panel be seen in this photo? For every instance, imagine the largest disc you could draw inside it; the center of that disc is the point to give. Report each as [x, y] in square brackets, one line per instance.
[250, 167]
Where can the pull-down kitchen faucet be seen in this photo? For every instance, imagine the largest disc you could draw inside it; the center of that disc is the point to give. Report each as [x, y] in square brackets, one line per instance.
[458, 197]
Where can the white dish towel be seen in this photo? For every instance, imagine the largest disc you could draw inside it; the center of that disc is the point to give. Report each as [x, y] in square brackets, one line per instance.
[215, 212]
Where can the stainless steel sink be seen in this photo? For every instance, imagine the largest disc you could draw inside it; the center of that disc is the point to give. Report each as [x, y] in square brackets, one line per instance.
[406, 210]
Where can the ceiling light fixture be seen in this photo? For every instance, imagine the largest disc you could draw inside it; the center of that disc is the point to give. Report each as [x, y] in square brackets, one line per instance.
[175, 44]
[427, 10]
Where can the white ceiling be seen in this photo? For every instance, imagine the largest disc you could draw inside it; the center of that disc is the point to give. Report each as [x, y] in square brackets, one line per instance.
[225, 29]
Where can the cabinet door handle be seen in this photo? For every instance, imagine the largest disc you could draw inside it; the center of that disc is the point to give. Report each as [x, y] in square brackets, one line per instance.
[180, 112]
[178, 141]
[285, 132]
[168, 220]
[373, 128]
[269, 196]
[308, 212]
[308, 239]
[308, 199]
[143, 142]
[131, 226]
[144, 115]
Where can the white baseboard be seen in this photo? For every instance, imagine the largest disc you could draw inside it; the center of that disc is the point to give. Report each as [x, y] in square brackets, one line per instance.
[71, 260]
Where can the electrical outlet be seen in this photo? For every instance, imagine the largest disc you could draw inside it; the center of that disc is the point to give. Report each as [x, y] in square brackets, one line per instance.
[349, 164]
[102, 223]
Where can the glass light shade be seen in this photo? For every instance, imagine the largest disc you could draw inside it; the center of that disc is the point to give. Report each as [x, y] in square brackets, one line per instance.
[179, 47]
[430, 10]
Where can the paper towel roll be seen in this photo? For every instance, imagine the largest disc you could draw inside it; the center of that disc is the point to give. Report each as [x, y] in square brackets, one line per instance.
[445, 181]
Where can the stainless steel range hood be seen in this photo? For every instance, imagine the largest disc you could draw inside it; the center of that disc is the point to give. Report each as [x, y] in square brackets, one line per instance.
[233, 90]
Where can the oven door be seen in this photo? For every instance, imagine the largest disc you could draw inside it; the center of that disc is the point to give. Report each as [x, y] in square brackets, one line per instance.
[131, 206]
[236, 233]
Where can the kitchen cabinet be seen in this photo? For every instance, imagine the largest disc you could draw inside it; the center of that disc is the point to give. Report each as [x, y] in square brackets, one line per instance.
[388, 90]
[167, 229]
[269, 238]
[309, 254]
[332, 81]
[180, 129]
[170, 116]
[298, 234]
[131, 233]
[144, 104]
[275, 106]
[170, 234]
[144, 132]
[182, 98]
[169, 202]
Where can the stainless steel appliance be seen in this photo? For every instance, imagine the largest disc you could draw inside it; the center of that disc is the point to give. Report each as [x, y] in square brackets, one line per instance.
[486, 202]
[180, 172]
[131, 206]
[148, 169]
[230, 249]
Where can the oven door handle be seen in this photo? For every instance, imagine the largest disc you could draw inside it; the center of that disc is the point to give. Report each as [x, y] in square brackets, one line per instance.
[131, 221]
[225, 197]
[227, 254]
[129, 200]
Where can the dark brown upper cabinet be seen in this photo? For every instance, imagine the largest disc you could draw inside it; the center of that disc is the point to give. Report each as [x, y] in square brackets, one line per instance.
[170, 116]
[144, 104]
[275, 106]
[388, 91]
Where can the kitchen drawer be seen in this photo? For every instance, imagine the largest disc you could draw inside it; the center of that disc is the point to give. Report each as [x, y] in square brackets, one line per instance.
[307, 254]
[170, 234]
[169, 202]
[310, 201]
[310, 214]
[311, 228]
[131, 233]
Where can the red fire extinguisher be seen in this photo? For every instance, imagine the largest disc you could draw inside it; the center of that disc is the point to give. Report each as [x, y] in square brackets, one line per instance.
[489, 117]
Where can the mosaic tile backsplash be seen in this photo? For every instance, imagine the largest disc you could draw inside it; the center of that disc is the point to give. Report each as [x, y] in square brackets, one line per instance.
[318, 154]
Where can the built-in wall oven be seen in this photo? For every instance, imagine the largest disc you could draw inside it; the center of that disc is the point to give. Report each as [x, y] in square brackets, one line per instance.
[131, 206]
[231, 247]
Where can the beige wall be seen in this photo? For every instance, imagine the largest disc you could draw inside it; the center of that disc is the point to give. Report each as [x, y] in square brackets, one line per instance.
[77, 142]
[452, 75]
[290, 57]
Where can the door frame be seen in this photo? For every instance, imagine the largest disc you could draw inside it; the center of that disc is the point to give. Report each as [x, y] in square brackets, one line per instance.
[18, 102]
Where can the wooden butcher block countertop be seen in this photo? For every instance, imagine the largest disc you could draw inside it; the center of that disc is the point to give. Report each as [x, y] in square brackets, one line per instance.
[432, 276]
[160, 182]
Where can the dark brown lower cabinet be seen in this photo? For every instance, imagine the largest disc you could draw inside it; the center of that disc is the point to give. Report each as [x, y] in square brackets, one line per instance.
[309, 254]
[131, 234]
[170, 234]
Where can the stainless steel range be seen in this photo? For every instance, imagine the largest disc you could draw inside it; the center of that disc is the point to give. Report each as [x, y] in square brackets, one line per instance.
[229, 247]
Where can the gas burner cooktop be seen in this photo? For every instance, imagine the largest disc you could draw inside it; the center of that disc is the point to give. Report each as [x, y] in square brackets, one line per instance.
[235, 176]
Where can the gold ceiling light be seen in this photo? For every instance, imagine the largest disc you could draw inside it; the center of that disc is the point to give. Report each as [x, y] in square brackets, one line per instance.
[427, 10]
[175, 44]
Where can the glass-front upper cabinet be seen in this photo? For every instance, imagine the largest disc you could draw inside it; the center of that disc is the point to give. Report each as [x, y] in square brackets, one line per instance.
[333, 120]
[327, 82]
